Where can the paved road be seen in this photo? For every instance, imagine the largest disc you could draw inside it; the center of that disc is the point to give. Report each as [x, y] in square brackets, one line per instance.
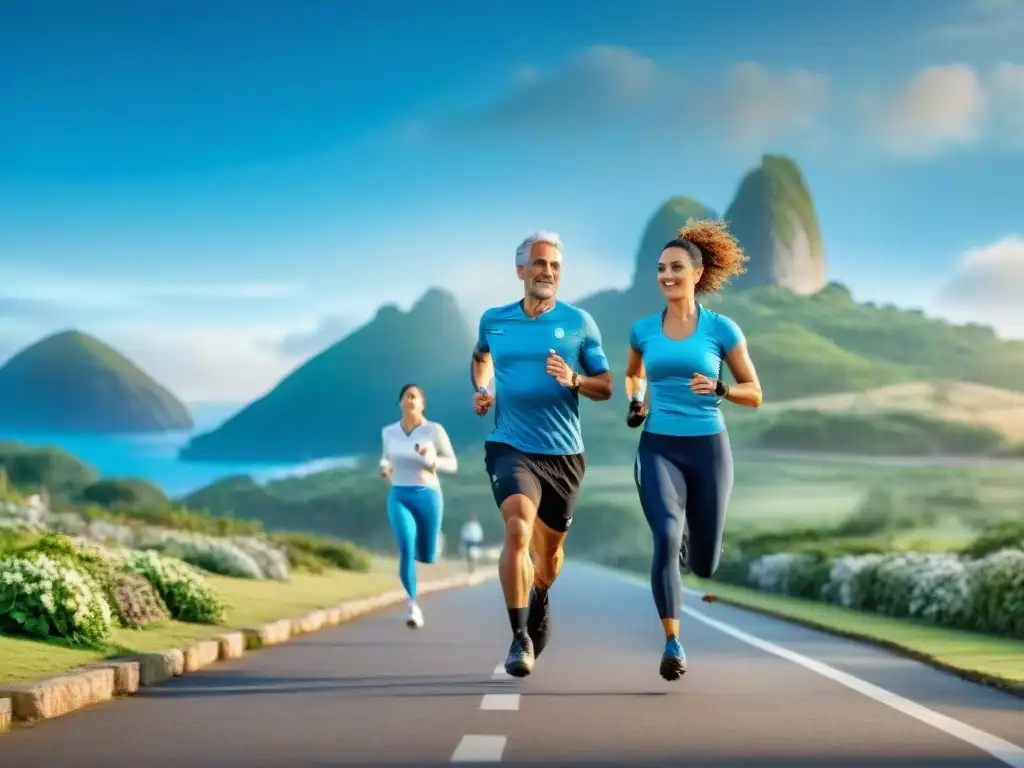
[374, 692]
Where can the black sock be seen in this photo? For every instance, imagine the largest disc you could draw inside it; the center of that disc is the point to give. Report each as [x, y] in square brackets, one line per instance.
[517, 618]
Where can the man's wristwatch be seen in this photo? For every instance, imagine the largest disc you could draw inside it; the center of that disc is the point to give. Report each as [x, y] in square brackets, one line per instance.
[575, 385]
[721, 388]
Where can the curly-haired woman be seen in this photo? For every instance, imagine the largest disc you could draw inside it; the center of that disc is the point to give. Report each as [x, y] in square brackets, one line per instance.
[683, 469]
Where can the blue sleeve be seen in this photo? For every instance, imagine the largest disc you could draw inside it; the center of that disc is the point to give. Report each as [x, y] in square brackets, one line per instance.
[592, 355]
[481, 336]
[634, 340]
[729, 334]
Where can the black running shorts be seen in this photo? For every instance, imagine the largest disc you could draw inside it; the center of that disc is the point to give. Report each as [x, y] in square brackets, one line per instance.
[550, 482]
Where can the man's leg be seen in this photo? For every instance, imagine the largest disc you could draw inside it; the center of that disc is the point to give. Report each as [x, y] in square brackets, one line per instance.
[562, 477]
[515, 571]
[548, 556]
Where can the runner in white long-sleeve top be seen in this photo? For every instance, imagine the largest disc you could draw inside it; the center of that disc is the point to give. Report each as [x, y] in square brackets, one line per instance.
[414, 451]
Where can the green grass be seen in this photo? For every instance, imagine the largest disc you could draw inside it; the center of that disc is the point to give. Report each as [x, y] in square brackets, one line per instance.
[249, 602]
[993, 660]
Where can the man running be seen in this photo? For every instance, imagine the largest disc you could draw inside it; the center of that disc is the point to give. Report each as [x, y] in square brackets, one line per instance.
[471, 538]
[534, 455]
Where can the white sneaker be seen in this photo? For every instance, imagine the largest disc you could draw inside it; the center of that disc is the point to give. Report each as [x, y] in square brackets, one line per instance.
[414, 618]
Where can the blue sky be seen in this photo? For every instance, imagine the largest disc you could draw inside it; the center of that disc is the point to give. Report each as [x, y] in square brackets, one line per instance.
[221, 189]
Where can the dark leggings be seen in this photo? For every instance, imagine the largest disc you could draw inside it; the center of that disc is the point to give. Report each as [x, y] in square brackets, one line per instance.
[683, 479]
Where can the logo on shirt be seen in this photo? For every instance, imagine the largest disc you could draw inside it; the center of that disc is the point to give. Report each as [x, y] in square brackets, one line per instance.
[559, 333]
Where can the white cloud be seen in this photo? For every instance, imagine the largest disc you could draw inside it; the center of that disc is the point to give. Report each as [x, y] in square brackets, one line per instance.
[107, 294]
[224, 364]
[758, 107]
[987, 287]
[604, 88]
[938, 108]
[1007, 84]
[982, 20]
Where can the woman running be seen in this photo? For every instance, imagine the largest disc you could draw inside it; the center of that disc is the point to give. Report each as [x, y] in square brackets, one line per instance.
[414, 451]
[683, 469]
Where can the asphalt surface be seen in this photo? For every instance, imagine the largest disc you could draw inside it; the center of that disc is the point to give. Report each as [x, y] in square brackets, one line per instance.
[374, 692]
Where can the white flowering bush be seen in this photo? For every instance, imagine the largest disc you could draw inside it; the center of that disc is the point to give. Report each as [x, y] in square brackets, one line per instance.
[46, 596]
[273, 562]
[187, 595]
[207, 552]
[986, 594]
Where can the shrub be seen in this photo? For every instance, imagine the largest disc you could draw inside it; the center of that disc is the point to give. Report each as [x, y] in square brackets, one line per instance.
[337, 552]
[213, 555]
[272, 562]
[187, 595]
[985, 594]
[134, 600]
[995, 537]
[46, 596]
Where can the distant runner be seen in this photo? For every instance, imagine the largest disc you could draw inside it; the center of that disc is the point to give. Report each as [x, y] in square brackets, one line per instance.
[683, 469]
[414, 451]
[471, 539]
[534, 455]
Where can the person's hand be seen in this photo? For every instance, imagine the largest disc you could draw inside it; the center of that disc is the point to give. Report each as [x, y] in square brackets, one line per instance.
[482, 402]
[385, 469]
[426, 452]
[637, 413]
[559, 370]
[702, 385]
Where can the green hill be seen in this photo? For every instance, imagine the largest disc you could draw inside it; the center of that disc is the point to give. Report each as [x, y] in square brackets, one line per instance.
[73, 383]
[773, 217]
[337, 402]
[803, 343]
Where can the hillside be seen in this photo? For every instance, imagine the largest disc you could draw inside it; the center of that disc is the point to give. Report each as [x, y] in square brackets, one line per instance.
[71, 382]
[958, 401]
[773, 217]
[337, 402]
[804, 344]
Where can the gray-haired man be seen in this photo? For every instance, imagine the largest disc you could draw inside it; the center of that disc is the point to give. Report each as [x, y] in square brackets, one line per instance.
[532, 349]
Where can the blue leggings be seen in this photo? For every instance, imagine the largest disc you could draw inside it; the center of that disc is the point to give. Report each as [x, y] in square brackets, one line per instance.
[415, 513]
[683, 479]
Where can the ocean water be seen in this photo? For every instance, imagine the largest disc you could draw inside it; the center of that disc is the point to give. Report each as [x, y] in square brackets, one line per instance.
[155, 457]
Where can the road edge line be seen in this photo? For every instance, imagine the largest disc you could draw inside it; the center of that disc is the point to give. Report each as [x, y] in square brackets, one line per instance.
[996, 682]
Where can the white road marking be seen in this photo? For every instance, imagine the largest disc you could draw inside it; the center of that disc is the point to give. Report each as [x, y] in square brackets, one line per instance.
[507, 702]
[1003, 751]
[479, 749]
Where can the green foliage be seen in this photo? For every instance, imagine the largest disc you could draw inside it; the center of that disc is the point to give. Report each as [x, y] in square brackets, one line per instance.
[996, 536]
[304, 549]
[134, 600]
[895, 433]
[31, 469]
[121, 492]
[184, 591]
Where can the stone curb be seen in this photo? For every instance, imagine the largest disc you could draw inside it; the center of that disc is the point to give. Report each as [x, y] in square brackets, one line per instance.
[102, 681]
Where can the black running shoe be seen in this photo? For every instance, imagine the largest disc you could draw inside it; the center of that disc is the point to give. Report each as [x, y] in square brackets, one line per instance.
[520, 656]
[538, 621]
[684, 553]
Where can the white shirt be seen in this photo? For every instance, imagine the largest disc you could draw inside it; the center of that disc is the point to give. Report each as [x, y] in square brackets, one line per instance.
[407, 466]
[472, 532]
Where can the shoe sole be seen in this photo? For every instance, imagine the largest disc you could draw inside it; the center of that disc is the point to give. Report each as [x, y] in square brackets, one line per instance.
[520, 669]
[672, 668]
[412, 624]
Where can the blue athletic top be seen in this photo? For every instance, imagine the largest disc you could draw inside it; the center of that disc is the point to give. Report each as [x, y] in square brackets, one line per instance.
[532, 411]
[674, 409]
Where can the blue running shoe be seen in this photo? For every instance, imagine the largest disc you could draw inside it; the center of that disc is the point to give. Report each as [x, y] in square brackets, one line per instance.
[673, 660]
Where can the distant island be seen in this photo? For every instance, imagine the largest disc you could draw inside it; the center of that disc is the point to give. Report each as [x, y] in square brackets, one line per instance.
[807, 336]
[73, 383]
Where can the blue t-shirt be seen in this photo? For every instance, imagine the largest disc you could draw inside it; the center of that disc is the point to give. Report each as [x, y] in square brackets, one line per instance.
[674, 409]
[532, 411]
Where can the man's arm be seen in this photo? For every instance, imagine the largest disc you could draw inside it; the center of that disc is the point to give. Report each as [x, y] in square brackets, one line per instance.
[596, 383]
[482, 367]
